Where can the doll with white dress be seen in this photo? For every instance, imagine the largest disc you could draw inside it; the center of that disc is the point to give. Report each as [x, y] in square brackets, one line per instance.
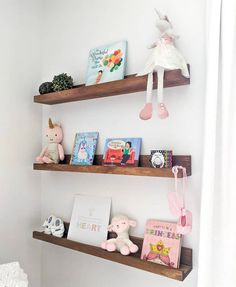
[164, 56]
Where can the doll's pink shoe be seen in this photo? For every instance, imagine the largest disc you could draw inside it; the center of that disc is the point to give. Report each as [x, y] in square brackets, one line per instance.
[162, 111]
[39, 160]
[146, 112]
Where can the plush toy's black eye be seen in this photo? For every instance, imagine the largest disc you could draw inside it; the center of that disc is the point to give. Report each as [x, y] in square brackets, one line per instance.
[55, 135]
[46, 135]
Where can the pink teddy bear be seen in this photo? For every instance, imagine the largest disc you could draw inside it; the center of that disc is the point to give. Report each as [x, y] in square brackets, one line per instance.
[53, 152]
[120, 224]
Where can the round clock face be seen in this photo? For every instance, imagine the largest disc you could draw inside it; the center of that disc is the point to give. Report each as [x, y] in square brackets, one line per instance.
[157, 160]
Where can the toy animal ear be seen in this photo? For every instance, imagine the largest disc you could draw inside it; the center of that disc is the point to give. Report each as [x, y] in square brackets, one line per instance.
[159, 14]
[45, 223]
[110, 228]
[132, 223]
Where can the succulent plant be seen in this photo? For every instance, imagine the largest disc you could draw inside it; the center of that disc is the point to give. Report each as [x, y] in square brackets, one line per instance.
[62, 82]
[45, 88]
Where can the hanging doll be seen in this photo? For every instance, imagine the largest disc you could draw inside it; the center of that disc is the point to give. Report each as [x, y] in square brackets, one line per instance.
[164, 56]
[53, 152]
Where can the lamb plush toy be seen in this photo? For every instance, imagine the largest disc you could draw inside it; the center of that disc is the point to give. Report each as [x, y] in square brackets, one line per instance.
[120, 224]
[53, 152]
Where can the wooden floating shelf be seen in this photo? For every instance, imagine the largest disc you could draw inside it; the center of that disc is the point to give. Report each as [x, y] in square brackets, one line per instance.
[130, 84]
[131, 260]
[144, 169]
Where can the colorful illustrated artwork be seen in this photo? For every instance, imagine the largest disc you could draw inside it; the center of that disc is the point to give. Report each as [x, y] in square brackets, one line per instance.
[162, 243]
[107, 63]
[122, 151]
[84, 148]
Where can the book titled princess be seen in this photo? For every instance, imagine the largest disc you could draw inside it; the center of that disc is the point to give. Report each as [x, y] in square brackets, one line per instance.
[84, 148]
[161, 244]
[107, 63]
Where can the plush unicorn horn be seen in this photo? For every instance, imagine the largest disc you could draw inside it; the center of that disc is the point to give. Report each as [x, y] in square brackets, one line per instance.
[50, 124]
[164, 56]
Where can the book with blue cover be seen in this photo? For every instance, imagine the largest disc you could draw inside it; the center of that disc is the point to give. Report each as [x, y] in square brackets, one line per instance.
[107, 63]
[84, 148]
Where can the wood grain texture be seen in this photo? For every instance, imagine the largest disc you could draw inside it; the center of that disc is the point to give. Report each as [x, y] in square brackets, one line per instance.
[131, 260]
[130, 84]
[144, 169]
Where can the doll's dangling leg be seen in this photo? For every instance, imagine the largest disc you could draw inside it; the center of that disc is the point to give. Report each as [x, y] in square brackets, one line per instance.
[47, 160]
[162, 111]
[146, 112]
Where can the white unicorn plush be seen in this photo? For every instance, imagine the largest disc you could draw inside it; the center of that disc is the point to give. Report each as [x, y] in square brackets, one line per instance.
[164, 56]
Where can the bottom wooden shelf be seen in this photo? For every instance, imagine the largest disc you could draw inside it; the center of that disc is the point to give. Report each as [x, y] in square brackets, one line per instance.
[131, 260]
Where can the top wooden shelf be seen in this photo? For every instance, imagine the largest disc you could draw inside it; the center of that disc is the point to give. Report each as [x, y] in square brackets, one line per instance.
[130, 84]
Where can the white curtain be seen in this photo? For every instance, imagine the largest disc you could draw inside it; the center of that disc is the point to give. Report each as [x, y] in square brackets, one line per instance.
[217, 257]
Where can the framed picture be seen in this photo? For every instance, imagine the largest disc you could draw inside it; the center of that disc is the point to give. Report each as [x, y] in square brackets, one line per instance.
[107, 63]
[122, 151]
[161, 158]
[84, 148]
[89, 220]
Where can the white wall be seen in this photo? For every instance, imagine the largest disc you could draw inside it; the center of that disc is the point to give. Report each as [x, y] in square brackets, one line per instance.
[71, 28]
[20, 125]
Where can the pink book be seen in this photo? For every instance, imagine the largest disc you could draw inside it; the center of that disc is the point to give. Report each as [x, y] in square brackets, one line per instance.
[161, 244]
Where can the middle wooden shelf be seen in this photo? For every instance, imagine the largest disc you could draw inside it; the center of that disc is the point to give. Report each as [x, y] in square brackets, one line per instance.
[144, 169]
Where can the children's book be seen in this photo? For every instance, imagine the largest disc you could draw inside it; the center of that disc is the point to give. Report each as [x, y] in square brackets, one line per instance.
[107, 63]
[90, 218]
[161, 158]
[84, 148]
[162, 244]
[122, 151]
